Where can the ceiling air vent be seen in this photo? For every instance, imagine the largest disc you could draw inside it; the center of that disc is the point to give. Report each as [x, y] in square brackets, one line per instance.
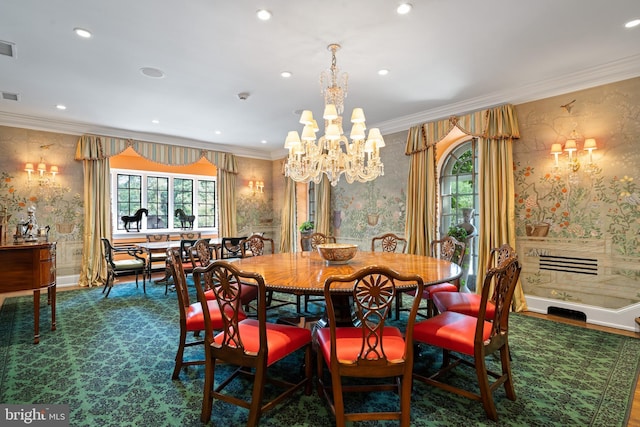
[10, 96]
[7, 49]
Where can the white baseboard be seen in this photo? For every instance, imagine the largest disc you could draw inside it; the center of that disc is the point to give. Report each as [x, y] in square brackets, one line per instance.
[620, 319]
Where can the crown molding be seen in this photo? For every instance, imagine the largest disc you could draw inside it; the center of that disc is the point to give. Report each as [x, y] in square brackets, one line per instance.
[78, 128]
[614, 71]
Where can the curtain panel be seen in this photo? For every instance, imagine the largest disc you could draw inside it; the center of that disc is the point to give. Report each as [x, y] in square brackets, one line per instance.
[496, 128]
[94, 152]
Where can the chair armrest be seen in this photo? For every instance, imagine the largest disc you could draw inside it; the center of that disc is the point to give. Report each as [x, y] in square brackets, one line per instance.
[131, 250]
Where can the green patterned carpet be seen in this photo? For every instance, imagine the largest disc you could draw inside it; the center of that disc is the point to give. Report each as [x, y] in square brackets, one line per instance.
[111, 361]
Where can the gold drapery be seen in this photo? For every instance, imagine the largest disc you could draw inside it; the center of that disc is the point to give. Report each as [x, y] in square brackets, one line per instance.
[420, 223]
[94, 152]
[496, 128]
[287, 225]
[323, 206]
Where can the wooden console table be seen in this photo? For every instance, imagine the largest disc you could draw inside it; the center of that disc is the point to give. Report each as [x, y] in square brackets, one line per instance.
[30, 266]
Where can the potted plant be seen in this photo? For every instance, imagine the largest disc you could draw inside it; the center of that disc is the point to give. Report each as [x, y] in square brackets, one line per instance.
[306, 229]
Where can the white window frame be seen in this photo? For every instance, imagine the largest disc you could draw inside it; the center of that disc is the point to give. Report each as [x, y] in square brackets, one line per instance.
[171, 176]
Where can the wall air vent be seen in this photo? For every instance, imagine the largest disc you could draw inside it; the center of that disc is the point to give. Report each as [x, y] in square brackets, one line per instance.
[569, 264]
[10, 96]
[7, 49]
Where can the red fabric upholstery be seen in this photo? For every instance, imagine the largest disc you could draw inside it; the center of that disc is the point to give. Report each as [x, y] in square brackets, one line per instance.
[440, 287]
[450, 330]
[283, 339]
[247, 294]
[195, 317]
[462, 302]
[349, 343]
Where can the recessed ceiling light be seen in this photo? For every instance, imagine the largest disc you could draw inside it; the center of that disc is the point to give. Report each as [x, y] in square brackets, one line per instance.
[218, 132]
[286, 74]
[633, 23]
[155, 121]
[61, 107]
[263, 14]
[152, 72]
[264, 141]
[404, 8]
[85, 34]
[383, 72]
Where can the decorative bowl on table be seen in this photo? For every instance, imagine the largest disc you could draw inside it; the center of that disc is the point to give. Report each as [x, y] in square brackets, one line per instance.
[337, 253]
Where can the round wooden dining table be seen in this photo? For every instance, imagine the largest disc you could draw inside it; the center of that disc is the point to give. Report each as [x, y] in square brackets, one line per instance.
[304, 273]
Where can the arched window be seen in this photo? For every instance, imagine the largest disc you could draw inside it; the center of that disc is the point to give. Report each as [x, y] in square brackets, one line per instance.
[459, 198]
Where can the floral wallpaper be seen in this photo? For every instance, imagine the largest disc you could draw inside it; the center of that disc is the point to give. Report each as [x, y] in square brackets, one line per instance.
[587, 216]
[364, 210]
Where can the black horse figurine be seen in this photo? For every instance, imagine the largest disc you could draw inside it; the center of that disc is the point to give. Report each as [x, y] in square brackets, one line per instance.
[186, 221]
[136, 217]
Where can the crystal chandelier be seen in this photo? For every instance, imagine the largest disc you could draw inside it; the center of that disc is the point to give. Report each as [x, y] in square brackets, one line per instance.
[333, 154]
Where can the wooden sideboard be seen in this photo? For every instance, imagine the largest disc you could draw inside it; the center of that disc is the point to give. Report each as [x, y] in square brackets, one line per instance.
[30, 266]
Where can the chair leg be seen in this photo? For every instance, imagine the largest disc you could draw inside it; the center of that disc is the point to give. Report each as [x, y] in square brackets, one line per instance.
[255, 409]
[505, 357]
[179, 354]
[109, 283]
[485, 389]
[398, 305]
[207, 397]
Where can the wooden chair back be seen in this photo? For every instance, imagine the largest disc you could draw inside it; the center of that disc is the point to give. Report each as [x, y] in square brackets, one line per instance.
[382, 351]
[231, 248]
[448, 248]
[315, 239]
[389, 242]
[160, 237]
[202, 253]
[190, 235]
[256, 245]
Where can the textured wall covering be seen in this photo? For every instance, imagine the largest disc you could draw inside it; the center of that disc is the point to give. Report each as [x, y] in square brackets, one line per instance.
[593, 214]
[60, 206]
[364, 210]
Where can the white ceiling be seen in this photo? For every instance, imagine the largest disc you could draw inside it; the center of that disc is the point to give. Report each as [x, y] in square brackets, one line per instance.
[445, 57]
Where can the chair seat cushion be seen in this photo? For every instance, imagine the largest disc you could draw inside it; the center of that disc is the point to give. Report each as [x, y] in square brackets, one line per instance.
[247, 294]
[128, 264]
[349, 344]
[440, 287]
[451, 331]
[195, 316]
[462, 302]
[282, 339]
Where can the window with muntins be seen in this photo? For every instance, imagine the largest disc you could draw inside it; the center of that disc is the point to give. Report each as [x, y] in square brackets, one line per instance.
[162, 195]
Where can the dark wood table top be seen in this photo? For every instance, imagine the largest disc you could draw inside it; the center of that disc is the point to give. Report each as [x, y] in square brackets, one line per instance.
[305, 272]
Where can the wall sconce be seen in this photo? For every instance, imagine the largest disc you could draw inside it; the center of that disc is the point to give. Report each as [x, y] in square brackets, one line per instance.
[571, 147]
[43, 179]
[256, 187]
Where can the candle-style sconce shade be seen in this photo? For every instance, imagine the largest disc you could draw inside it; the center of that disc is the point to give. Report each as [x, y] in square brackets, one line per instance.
[571, 148]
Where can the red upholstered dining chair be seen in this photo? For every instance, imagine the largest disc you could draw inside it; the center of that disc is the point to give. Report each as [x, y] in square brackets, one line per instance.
[370, 350]
[314, 239]
[202, 255]
[478, 337]
[469, 303]
[253, 345]
[449, 249]
[192, 317]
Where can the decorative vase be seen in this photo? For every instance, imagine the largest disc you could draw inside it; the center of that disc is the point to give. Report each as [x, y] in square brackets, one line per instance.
[372, 219]
[538, 230]
[337, 219]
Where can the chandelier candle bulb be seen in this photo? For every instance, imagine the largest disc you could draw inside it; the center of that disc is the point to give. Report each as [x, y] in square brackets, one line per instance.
[333, 154]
